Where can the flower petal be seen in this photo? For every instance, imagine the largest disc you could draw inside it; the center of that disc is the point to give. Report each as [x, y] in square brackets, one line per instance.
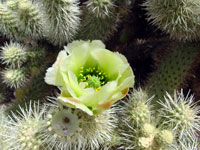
[92, 97]
[76, 44]
[75, 103]
[79, 55]
[68, 86]
[128, 73]
[74, 85]
[109, 61]
[97, 44]
[107, 90]
[53, 76]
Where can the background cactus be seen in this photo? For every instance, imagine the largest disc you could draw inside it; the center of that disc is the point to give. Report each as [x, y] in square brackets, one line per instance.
[182, 114]
[100, 19]
[180, 19]
[31, 21]
[13, 55]
[173, 70]
[14, 77]
[23, 128]
[144, 132]
[8, 22]
[175, 123]
[63, 19]
[3, 120]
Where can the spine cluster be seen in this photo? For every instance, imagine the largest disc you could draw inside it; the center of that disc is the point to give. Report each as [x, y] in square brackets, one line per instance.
[174, 125]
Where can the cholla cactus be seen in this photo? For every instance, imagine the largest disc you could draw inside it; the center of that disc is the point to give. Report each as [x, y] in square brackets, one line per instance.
[14, 78]
[181, 114]
[91, 78]
[138, 129]
[23, 128]
[185, 145]
[100, 20]
[13, 54]
[74, 129]
[8, 21]
[21, 19]
[146, 137]
[63, 17]
[36, 127]
[31, 22]
[148, 133]
[100, 8]
[175, 124]
[57, 20]
[137, 110]
[3, 131]
[173, 70]
[179, 18]
[147, 129]
[13, 4]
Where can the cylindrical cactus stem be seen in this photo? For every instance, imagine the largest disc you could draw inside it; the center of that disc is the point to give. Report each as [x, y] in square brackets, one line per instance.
[173, 70]
[3, 128]
[13, 54]
[20, 19]
[178, 18]
[196, 84]
[31, 21]
[99, 20]
[181, 114]
[14, 78]
[64, 21]
[8, 22]
[134, 117]
[23, 127]
[100, 8]
[137, 110]
[144, 143]
[13, 4]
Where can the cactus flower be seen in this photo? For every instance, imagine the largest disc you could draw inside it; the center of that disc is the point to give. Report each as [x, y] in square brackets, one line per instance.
[90, 77]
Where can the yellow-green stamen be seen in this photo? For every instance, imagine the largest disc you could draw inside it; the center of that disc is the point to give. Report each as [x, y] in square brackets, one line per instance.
[93, 77]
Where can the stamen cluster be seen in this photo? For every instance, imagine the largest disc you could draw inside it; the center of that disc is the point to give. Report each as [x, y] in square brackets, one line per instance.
[93, 76]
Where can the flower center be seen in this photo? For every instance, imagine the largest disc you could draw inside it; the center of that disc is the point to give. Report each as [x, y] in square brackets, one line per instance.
[94, 82]
[93, 77]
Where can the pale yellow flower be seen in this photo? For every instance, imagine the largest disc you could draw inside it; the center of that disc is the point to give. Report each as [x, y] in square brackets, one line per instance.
[90, 77]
